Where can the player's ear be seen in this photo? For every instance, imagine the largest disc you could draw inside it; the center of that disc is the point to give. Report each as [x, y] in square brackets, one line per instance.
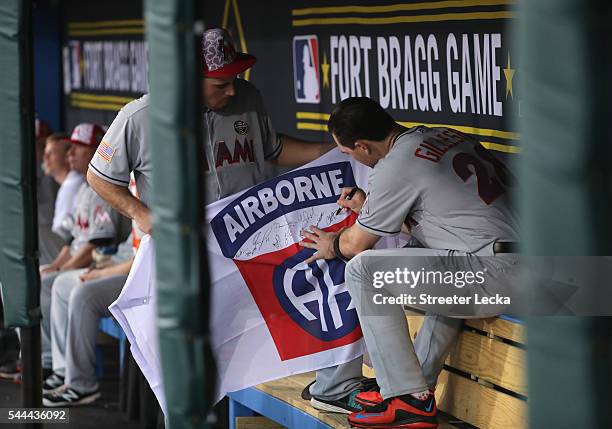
[363, 145]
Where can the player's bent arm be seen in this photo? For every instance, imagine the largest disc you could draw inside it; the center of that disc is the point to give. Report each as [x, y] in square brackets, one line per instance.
[298, 152]
[120, 269]
[355, 240]
[81, 259]
[122, 200]
[62, 257]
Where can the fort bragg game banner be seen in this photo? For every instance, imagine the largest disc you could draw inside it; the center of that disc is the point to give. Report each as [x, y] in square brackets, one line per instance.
[446, 62]
[104, 59]
[428, 62]
[271, 315]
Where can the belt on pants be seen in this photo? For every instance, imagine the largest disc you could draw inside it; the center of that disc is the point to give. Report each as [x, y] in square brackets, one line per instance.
[505, 247]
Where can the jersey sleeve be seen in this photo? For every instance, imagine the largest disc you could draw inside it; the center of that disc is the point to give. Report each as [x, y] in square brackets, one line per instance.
[388, 201]
[111, 160]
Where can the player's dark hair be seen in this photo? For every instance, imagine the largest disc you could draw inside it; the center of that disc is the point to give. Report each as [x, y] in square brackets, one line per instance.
[359, 118]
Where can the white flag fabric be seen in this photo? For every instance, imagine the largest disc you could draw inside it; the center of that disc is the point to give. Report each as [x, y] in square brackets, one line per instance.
[272, 315]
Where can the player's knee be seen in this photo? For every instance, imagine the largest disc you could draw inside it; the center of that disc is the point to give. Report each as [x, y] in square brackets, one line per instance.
[79, 296]
[62, 286]
[356, 273]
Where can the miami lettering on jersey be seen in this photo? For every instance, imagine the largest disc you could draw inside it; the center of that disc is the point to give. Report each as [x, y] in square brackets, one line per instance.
[242, 152]
[307, 308]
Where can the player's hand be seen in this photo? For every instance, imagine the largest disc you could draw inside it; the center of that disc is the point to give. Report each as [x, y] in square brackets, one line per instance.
[48, 269]
[144, 221]
[356, 201]
[91, 274]
[321, 241]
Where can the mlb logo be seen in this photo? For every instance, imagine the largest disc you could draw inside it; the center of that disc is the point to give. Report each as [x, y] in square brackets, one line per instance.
[306, 69]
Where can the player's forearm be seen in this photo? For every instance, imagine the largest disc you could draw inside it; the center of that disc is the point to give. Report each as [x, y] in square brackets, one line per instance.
[118, 197]
[121, 269]
[354, 241]
[81, 259]
[62, 257]
[298, 152]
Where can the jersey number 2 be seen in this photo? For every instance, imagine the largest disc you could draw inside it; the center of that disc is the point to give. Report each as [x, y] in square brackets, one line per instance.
[489, 188]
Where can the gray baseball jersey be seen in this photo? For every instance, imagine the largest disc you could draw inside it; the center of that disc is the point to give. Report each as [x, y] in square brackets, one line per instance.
[95, 219]
[124, 149]
[239, 139]
[446, 186]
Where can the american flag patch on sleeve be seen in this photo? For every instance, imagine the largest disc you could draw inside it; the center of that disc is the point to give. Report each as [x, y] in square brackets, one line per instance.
[105, 151]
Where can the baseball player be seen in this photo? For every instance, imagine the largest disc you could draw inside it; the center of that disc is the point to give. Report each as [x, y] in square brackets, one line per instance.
[240, 137]
[452, 195]
[94, 223]
[240, 141]
[79, 299]
[49, 243]
[55, 162]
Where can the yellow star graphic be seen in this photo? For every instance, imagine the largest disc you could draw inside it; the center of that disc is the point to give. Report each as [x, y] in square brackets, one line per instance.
[325, 70]
[509, 73]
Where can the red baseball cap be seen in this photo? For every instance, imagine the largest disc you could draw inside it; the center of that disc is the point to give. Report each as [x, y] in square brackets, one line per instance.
[87, 134]
[220, 58]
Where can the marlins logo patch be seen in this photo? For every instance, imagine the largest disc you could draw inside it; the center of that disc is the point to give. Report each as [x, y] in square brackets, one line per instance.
[241, 127]
[105, 151]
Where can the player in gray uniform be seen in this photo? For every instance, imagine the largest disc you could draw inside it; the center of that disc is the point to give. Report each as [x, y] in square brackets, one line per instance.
[240, 140]
[94, 223]
[452, 194]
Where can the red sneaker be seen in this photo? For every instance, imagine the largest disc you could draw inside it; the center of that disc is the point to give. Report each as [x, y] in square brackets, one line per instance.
[399, 412]
[369, 399]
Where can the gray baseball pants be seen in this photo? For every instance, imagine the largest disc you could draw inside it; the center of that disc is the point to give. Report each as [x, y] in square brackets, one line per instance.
[402, 366]
[434, 342]
[46, 283]
[76, 310]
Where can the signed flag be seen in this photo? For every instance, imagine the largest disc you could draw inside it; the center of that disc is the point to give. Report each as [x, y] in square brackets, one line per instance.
[272, 315]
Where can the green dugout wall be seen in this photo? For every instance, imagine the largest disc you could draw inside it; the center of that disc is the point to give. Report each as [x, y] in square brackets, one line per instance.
[565, 198]
[18, 231]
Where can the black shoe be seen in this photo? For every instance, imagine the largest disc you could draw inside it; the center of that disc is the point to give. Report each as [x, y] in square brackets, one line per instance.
[10, 369]
[306, 392]
[52, 383]
[344, 405]
[69, 397]
[368, 385]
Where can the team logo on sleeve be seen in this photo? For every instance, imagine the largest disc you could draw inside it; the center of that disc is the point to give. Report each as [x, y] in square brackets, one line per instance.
[306, 307]
[306, 69]
[105, 151]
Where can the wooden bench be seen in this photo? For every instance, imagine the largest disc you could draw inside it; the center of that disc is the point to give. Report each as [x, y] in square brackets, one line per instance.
[483, 384]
